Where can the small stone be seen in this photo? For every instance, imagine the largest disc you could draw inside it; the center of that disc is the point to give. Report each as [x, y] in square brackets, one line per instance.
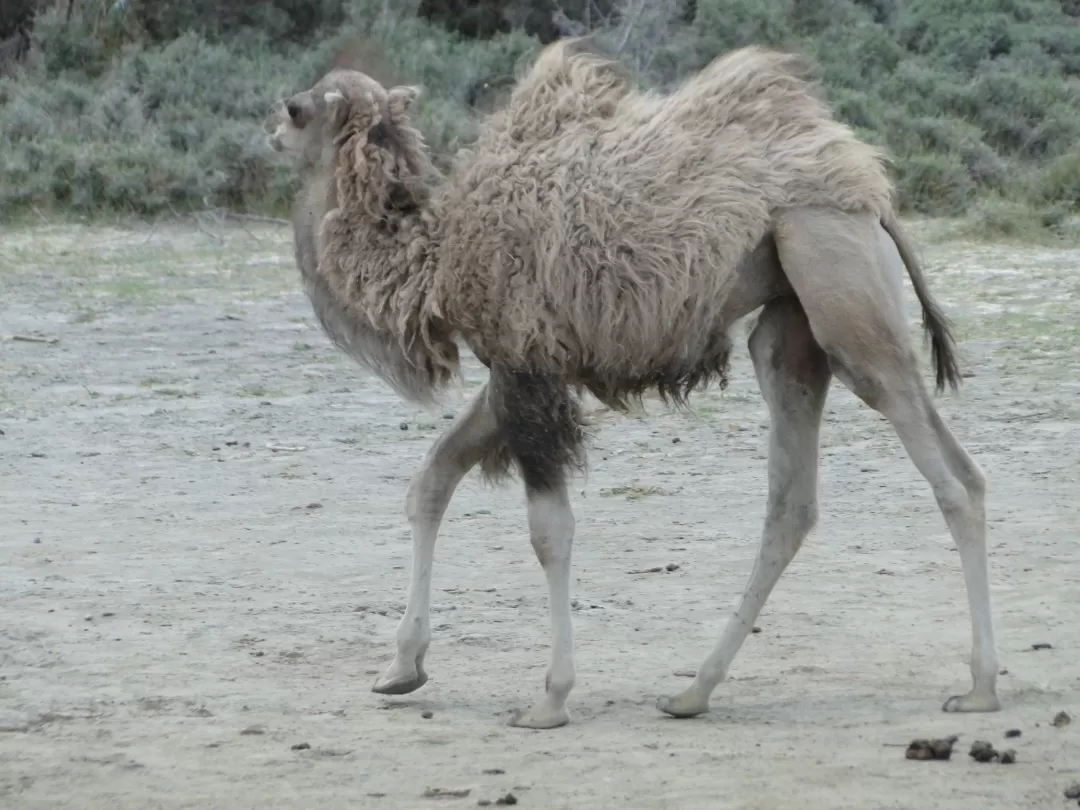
[671, 567]
[1061, 719]
[37, 539]
[1073, 791]
[314, 505]
[506, 801]
[1008, 756]
[494, 771]
[448, 416]
[253, 731]
[1012, 732]
[300, 746]
[88, 617]
[484, 803]
[1042, 645]
[756, 630]
[427, 715]
[108, 613]
[37, 455]
[404, 426]
[676, 440]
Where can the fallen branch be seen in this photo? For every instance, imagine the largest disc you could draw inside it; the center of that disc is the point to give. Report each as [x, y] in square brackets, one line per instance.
[32, 338]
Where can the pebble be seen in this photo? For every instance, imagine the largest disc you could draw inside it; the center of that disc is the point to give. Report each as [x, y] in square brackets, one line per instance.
[427, 715]
[300, 746]
[404, 426]
[1012, 732]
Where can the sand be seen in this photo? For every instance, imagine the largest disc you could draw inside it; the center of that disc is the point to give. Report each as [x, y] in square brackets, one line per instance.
[203, 557]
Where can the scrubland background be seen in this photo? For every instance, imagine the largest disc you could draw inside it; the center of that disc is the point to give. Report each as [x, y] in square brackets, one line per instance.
[152, 107]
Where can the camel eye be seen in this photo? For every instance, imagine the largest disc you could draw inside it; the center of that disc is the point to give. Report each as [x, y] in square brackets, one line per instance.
[294, 111]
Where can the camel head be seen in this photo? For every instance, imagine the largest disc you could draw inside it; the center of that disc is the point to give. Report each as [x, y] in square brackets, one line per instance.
[341, 104]
[347, 113]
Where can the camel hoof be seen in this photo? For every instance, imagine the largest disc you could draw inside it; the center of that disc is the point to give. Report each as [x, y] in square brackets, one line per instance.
[682, 706]
[972, 702]
[390, 684]
[540, 717]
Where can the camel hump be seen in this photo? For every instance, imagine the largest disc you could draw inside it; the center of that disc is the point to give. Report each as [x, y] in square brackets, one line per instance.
[572, 80]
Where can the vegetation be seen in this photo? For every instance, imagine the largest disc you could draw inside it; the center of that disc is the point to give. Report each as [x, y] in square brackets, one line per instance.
[152, 107]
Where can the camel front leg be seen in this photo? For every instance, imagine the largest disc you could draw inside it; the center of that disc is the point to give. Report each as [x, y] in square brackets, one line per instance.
[551, 530]
[470, 436]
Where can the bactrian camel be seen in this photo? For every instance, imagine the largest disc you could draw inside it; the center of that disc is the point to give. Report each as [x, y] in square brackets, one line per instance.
[600, 238]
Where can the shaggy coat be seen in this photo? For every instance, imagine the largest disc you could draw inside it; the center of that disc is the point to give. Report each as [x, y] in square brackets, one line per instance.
[589, 237]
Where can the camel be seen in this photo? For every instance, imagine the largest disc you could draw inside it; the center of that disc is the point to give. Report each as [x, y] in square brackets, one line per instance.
[605, 239]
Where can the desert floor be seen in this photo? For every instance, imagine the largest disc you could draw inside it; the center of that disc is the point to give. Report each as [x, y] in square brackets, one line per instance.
[203, 557]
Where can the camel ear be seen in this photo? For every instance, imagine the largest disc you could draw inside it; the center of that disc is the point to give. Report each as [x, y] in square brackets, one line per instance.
[337, 108]
[399, 101]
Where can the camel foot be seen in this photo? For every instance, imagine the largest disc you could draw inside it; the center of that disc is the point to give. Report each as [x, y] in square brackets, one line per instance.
[400, 681]
[972, 702]
[685, 704]
[540, 717]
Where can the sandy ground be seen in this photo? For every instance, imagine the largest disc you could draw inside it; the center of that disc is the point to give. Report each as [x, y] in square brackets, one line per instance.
[181, 603]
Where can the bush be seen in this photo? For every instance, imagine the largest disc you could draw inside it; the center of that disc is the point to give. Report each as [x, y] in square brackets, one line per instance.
[151, 106]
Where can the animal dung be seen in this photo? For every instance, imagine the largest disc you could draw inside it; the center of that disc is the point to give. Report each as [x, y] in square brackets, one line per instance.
[931, 749]
[982, 751]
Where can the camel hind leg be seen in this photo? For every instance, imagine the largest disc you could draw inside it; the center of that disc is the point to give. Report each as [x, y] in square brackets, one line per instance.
[793, 374]
[845, 271]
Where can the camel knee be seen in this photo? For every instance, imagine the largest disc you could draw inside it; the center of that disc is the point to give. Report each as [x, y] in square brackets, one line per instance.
[430, 486]
[788, 527]
[955, 500]
[803, 518]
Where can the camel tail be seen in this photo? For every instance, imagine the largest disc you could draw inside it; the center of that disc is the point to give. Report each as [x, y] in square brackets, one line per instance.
[937, 325]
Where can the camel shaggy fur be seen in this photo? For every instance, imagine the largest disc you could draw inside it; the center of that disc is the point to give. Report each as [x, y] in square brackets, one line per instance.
[600, 238]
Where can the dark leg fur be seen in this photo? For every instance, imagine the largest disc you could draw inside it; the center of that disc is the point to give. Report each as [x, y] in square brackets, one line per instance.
[539, 419]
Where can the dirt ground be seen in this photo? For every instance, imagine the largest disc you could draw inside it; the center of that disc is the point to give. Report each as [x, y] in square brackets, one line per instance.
[203, 556]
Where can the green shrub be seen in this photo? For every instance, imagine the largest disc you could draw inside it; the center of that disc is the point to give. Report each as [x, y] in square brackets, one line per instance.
[153, 106]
